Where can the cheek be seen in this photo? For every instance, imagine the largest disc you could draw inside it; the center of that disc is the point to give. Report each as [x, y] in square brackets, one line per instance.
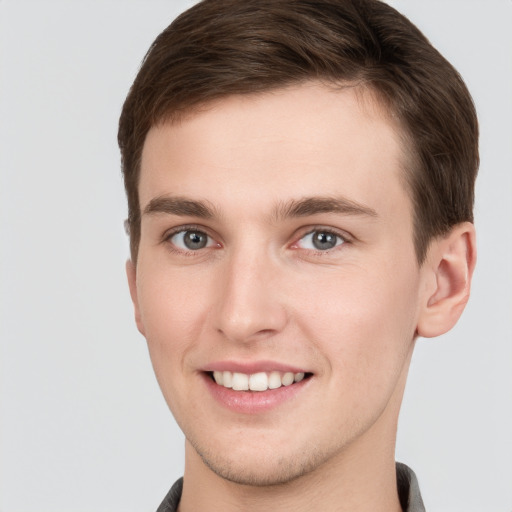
[363, 320]
[173, 313]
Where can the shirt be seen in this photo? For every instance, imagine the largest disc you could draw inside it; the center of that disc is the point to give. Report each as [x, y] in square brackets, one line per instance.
[408, 492]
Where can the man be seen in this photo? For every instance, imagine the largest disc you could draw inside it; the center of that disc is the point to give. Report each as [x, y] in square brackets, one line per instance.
[300, 184]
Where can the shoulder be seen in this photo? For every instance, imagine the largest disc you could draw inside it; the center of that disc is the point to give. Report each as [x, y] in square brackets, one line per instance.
[171, 501]
[408, 489]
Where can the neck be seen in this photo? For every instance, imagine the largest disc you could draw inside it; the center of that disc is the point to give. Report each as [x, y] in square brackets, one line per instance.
[360, 485]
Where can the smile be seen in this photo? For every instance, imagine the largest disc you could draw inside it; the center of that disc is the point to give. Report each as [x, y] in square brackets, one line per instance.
[261, 381]
[257, 387]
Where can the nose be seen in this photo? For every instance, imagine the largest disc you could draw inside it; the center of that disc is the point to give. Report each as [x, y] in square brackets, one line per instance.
[250, 303]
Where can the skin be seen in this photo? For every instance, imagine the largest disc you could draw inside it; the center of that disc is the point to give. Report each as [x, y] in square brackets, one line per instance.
[260, 290]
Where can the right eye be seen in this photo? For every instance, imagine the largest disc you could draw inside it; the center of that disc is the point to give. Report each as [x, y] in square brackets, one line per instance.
[191, 240]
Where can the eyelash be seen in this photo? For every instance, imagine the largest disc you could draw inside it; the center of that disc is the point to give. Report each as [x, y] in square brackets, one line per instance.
[184, 229]
[342, 237]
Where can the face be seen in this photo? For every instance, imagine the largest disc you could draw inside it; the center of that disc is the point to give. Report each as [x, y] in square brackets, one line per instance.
[277, 253]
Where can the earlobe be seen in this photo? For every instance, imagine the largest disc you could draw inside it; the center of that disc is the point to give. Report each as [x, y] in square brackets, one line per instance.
[131, 274]
[449, 267]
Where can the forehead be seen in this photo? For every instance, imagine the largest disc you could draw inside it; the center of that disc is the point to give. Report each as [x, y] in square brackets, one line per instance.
[300, 141]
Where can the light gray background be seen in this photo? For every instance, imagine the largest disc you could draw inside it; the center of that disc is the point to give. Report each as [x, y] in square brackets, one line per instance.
[83, 425]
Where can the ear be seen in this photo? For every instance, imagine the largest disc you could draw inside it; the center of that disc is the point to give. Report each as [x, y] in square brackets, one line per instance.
[131, 274]
[448, 270]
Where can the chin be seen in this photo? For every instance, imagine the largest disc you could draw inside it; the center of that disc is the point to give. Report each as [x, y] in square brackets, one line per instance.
[262, 469]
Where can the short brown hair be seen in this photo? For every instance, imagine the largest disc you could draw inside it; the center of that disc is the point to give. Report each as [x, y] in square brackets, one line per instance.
[224, 47]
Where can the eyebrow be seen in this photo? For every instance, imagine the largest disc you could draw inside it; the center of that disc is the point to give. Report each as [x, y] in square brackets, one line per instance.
[304, 207]
[316, 205]
[179, 206]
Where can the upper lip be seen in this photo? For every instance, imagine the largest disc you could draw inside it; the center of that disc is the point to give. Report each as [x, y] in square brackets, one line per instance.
[251, 367]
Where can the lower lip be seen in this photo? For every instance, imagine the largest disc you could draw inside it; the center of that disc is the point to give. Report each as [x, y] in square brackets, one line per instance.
[254, 402]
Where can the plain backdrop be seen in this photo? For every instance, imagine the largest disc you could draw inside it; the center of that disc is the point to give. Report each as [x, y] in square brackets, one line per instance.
[82, 423]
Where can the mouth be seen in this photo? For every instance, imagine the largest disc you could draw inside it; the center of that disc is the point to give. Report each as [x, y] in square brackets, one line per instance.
[259, 382]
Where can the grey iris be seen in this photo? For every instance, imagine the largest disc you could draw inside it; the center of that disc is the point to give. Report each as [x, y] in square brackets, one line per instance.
[323, 241]
[195, 240]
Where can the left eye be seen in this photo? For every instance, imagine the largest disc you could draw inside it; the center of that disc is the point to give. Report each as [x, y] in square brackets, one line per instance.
[191, 240]
[320, 240]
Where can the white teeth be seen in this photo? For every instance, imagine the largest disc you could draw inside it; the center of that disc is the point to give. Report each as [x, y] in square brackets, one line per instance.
[260, 381]
[227, 379]
[274, 380]
[287, 378]
[240, 381]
